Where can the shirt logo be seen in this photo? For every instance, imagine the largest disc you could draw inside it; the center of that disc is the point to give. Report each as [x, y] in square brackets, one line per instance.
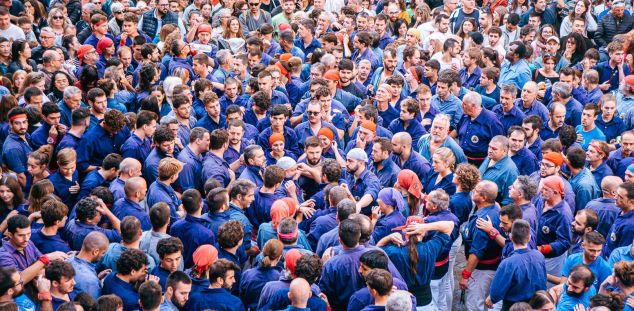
[613, 237]
[475, 139]
[466, 232]
[545, 230]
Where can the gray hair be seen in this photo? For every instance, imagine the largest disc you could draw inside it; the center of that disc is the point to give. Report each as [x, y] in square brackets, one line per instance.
[169, 84]
[441, 117]
[488, 190]
[116, 5]
[167, 120]
[500, 139]
[328, 60]
[562, 89]
[365, 61]
[509, 88]
[223, 56]
[439, 198]
[527, 186]
[473, 98]
[287, 225]
[71, 91]
[197, 133]
[399, 300]
[46, 29]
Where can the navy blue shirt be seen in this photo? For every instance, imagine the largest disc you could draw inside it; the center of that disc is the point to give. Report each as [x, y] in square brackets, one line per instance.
[254, 174]
[93, 180]
[126, 207]
[446, 183]
[554, 229]
[388, 115]
[61, 185]
[49, 243]
[95, 145]
[460, 204]
[189, 177]
[218, 299]
[416, 163]
[193, 233]
[519, 276]
[15, 152]
[150, 165]
[160, 192]
[76, 231]
[136, 148]
[508, 119]
[388, 174]
[69, 141]
[477, 241]
[414, 128]
[209, 124]
[291, 141]
[525, 161]
[611, 129]
[601, 171]
[621, 233]
[260, 210]
[607, 73]
[367, 183]
[474, 135]
[122, 289]
[252, 282]
[607, 211]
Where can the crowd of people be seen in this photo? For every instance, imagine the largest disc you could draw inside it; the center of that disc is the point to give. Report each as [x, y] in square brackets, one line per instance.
[340, 155]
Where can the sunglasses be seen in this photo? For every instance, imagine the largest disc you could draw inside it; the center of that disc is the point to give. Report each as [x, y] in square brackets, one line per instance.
[117, 12]
[254, 3]
[58, 17]
[312, 113]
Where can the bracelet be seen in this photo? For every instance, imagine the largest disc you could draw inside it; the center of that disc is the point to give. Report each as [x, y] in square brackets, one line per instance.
[493, 233]
[466, 274]
[44, 259]
[44, 296]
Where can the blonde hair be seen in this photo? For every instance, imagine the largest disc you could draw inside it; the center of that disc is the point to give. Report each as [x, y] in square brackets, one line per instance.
[447, 156]
[66, 156]
[169, 167]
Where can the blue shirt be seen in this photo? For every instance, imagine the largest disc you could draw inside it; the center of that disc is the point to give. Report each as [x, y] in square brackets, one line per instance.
[218, 299]
[340, 277]
[529, 213]
[489, 100]
[61, 185]
[621, 233]
[568, 302]
[423, 148]
[40, 136]
[236, 213]
[362, 298]
[611, 129]
[518, 73]
[573, 112]
[413, 127]
[519, 276]
[606, 211]
[49, 243]
[470, 80]
[160, 192]
[291, 141]
[508, 119]
[474, 135]
[554, 229]
[525, 161]
[388, 115]
[193, 233]
[253, 281]
[451, 106]
[477, 241]
[460, 204]
[367, 183]
[303, 131]
[95, 145]
[386, 223]
[503, 173]
[109, 260]
[93, 180]
[124, 290]
[126, 207]
[69, 141]
[15, 152]
[116, 187]
[601, 171]
[150, 165]
[260, 209]
[536, 109]
[445, 183]
[307, 49]
[607, 73]
[254, 174]
[623, 253]
[324, 222]
[619, 163]
[415, 162]
[585, 188]
[388, 174]
[86, 279]
[213, 221]
[21, 260]
[209, 124]
[76, 231]
[189, 177]
[593, 134]
[136, 148]
[599, 268]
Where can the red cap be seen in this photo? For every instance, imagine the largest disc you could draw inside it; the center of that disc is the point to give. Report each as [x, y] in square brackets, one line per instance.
[332, 75]
[283, 26]
[290, 259]
[82, 51]
[204, 28]
[407, 179]
[276, 137]
[554, 182]
[326, 132]
[629, 80]
[204, 256]
[285, 57]
[279, 211]
[410, 220]
[104, 43]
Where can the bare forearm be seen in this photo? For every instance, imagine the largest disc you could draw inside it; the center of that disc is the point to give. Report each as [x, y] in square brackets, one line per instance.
[31, 272]
[472, 262]
[363, 202]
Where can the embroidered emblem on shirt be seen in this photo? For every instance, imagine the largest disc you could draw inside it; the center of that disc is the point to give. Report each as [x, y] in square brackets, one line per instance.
[475, 139]
[545, 229]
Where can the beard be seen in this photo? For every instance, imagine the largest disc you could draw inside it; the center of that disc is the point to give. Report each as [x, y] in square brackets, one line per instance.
[436, 138]
[573, 294]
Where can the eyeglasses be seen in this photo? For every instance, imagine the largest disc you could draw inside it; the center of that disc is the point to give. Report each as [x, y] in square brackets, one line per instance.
[254, 3]
[47, 37]
[312, 113]
[546, 165]
[117, 12]
[59, 17]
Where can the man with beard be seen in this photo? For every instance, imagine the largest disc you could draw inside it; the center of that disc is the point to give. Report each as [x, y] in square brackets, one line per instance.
[476, 128]
[131, 269]
[621, 158]
[98, 103]
[12, 290]
[437, 138]
[577, 290]
[218, 295]
[508, 114]
[382, 165]
[586, 220]
[346, 78]
[445, 101]
[532, 125]
[85, 262]
[499, 168]
[177, 289]
[365, 137]
[547, 12]
[590, 257]
[408, 159]
[557, 114]
[316, 119]
[389, 68]
[622, 231]
[61, 274]
[525, 160]
[528, 103]
[149, 21]
[16, 147]
[363, 184]
[101, 140]
[450, 56]
[550, 166]
[163, 147]
[255, 161]
[515, 68]
[19, 251]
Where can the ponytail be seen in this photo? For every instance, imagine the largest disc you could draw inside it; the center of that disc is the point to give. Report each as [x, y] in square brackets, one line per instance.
[413, 254]
[272, 251]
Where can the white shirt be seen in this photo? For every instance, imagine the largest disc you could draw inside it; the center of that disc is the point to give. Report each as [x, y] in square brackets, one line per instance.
[12, 33]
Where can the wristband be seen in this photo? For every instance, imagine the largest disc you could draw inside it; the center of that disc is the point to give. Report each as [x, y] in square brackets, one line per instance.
[44, 296]
[545, 249]
[493, 233]
[44, 259]
[466, 274]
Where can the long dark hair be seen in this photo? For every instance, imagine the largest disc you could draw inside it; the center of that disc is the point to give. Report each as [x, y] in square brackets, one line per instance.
[580, 48]
[13, 185]
[413, 254]
[17, 47]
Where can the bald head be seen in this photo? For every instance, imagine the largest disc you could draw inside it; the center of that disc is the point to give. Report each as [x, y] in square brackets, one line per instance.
[366, 226]
[530, 86]
[95, 241]
[129, 167]
[135, 186]
[299, 293]
[610, 184]
[487, 190]
[402, 138]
